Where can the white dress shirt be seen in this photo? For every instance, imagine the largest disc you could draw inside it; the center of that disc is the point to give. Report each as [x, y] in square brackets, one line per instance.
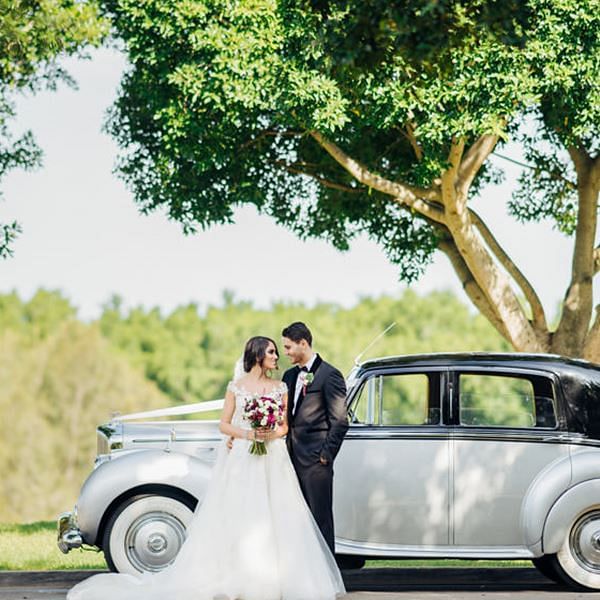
[300, 381]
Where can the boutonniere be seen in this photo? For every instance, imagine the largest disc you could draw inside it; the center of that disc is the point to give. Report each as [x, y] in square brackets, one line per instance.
[308, 379]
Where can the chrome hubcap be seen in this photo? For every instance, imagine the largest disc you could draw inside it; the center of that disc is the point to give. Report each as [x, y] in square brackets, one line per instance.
[585, 541]
[157, 543]
[153, 540]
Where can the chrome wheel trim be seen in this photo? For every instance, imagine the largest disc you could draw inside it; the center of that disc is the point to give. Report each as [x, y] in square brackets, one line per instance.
[153, 540]
[148, 534]
[584, 540]
[579, 555]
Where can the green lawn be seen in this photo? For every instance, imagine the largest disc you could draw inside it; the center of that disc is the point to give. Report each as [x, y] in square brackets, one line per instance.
[447, 563]
[32, 547]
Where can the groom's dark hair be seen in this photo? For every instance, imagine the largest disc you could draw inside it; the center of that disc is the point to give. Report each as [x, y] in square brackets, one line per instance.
[298, 331]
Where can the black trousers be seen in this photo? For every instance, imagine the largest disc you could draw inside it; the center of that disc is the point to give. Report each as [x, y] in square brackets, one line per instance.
[316, 482]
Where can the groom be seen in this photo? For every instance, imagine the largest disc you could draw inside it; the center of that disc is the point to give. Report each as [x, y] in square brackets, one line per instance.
[317, 422]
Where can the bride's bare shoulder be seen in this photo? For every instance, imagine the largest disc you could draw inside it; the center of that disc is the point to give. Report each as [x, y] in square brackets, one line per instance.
[278, 386]
[241, 382]
[236, 385]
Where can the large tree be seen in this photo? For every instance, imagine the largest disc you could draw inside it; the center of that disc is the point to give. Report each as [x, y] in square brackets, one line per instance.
[34, 36]
[346, 117]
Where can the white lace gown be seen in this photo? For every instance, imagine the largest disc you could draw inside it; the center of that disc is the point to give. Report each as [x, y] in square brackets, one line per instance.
[253, 537]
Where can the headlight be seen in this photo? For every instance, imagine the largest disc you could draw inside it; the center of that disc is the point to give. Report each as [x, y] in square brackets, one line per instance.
[109, 437]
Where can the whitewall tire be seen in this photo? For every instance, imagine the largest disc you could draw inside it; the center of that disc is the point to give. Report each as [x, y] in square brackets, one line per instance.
[579, 556]
[145, 533]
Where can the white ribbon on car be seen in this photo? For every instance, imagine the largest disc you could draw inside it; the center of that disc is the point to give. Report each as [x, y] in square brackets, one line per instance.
[197, 407]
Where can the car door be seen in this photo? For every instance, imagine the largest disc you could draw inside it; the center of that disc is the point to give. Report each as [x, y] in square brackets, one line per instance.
[505, 435]
[391, 482]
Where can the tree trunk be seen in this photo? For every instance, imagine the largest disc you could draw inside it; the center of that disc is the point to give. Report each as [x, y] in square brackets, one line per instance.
[591, 350]
[573, 331]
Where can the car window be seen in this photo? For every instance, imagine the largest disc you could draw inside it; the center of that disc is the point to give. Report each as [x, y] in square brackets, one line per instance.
[361, 409]
[506, 401]
[396, 399]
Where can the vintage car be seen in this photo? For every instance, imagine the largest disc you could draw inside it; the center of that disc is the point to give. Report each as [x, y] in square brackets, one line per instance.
[491, 456]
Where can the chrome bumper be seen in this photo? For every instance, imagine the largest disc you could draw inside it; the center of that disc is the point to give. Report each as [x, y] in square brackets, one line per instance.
[69, 535]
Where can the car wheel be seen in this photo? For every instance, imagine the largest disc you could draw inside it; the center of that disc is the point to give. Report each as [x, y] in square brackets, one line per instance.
[546, 565]
[578, 560]
[145, 532]
[349, 561]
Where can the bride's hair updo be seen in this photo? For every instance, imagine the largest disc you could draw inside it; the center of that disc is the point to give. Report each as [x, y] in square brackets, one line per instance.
[256, 350]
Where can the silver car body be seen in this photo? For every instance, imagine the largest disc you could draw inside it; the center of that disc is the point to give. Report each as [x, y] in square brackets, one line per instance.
[439, 490]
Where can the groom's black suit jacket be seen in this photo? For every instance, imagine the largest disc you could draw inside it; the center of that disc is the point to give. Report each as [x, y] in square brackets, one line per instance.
[319, 422]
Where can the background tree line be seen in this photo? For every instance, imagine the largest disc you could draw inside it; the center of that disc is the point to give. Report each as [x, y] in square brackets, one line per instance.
[60, 377]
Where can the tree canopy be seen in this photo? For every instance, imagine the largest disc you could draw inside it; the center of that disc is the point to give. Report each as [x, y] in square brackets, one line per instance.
[345, 117]
[34, 36]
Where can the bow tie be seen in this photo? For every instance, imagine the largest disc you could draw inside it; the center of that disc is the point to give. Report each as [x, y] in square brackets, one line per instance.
[304, 369]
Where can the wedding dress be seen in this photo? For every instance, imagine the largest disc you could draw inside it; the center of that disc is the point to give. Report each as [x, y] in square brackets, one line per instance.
[252, 538]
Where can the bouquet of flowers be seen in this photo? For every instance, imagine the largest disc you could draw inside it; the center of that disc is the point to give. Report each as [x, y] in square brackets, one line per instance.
[262, 412]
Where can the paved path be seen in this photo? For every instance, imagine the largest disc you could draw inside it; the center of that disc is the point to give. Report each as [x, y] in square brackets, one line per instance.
[375, 584]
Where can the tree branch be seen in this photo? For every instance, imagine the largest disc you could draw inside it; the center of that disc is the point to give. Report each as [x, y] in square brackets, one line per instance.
[270, 133]
[475, 157]
[410, 136]
[539, 317]
[326, 182]
[526, 166]
[471, 287]
[413, 197]
[449, 176]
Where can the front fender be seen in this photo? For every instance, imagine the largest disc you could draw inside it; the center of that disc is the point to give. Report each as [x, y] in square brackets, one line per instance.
[120, 475]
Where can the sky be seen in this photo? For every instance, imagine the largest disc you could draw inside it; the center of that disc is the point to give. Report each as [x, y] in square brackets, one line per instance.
[83, 235]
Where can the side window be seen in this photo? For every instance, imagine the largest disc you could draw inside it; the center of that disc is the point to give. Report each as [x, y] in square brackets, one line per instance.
[361, 410]
[506, 401]
[398, 399]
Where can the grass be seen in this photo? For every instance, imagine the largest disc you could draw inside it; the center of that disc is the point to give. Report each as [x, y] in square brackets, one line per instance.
[446, 563]
[32, 547]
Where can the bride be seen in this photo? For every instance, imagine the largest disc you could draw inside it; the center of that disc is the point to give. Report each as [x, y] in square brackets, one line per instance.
[253, 536]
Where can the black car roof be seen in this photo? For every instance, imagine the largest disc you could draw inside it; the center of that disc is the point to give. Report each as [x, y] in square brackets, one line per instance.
[579, 379]
[509, 359]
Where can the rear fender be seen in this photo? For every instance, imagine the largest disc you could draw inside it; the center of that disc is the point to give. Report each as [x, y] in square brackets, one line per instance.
[543, 492]
[568, 507]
